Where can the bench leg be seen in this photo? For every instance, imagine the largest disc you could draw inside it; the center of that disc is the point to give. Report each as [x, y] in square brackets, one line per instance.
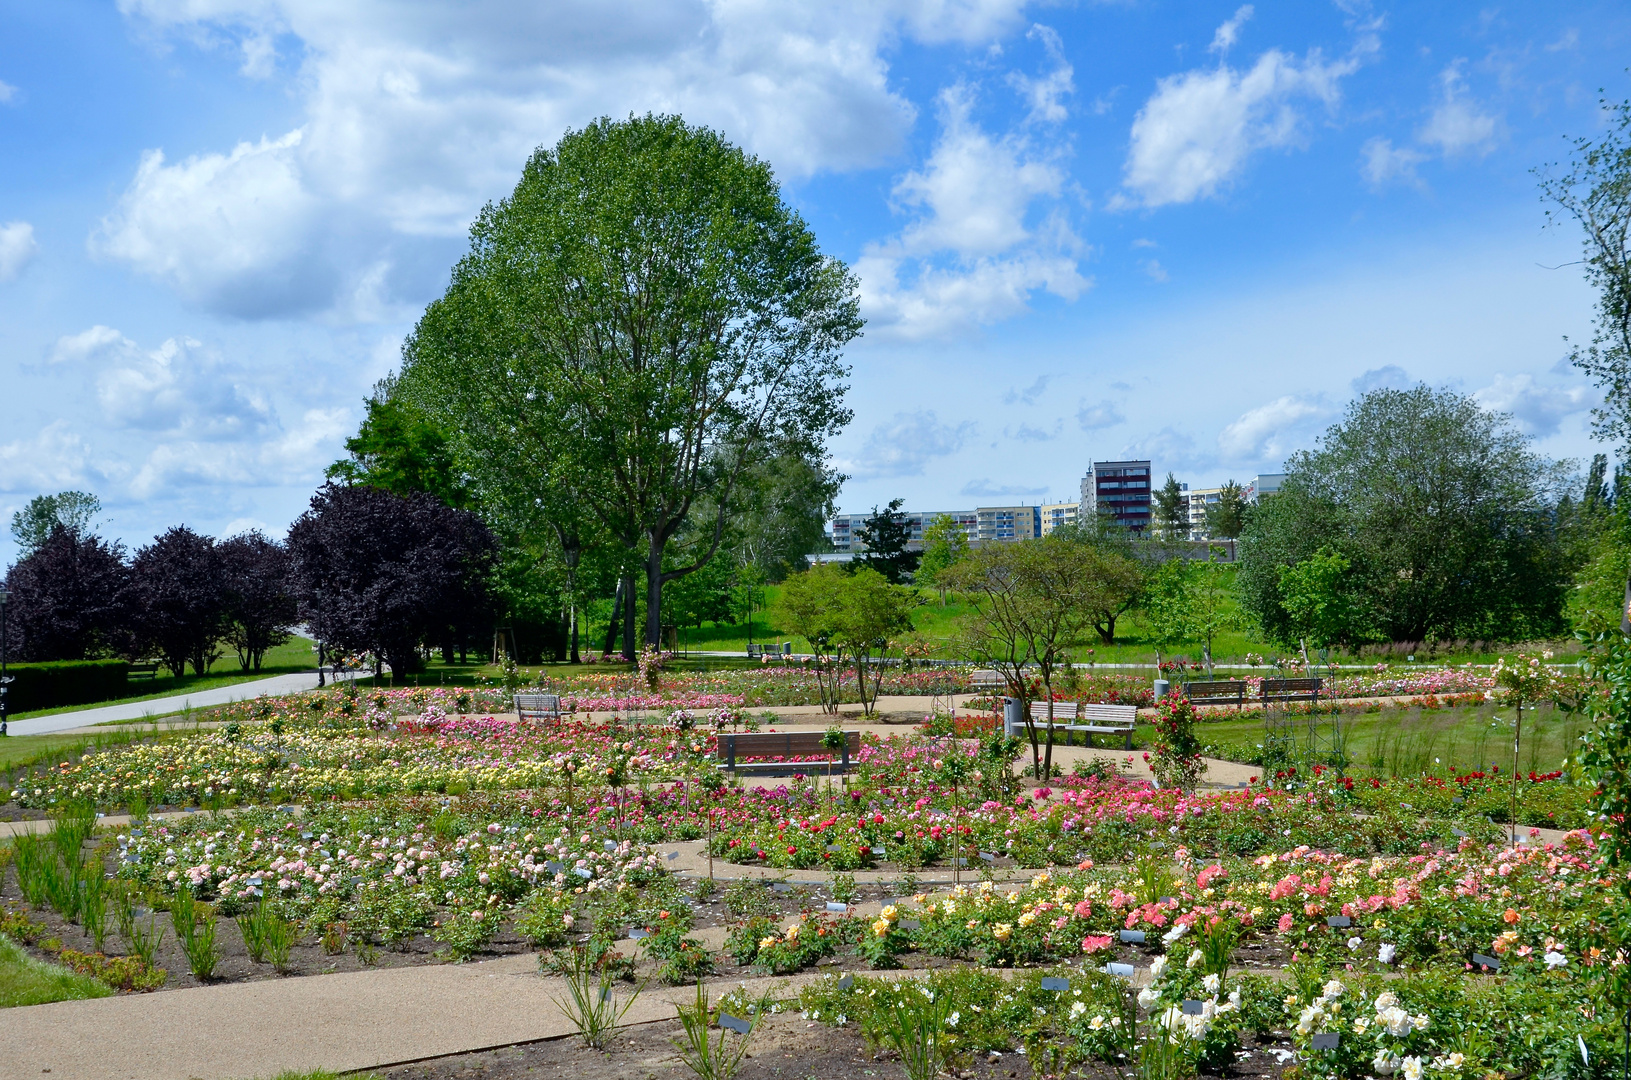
[1127, 741]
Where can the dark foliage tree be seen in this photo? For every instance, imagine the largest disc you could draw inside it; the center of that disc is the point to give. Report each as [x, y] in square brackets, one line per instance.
[642, 321]
[67, 599]
[704, 596]
[260, 603]
[886, 533]
[178, 599]
[1445, 518]
[383, 573]
[33, 524]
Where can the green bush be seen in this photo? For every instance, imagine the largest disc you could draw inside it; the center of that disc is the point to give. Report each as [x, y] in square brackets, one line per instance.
[64, 682]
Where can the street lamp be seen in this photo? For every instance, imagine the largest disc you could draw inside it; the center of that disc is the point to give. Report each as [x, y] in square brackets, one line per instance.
[5, 680]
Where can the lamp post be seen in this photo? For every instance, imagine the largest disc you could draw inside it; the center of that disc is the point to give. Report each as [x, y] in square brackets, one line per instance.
[5, 680]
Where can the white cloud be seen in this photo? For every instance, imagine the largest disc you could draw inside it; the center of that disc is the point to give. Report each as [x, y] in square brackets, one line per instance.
[290, 458]
[1046, 93]
[1381, 162]
[1268, 432]
[1457, 125]
[183, 389]
[1229, 32]
[17, 246]
[7, 93]
[55, 459]
[1168, 448]
[1031, 433]
[985, 489]
[971, 257]
[416, 114]
[1031, 394]
[97, 342]
[1154, 269]
[1540, 410]
[906, 443]
[1390, 376]
[1198, 129]
[1099, 416]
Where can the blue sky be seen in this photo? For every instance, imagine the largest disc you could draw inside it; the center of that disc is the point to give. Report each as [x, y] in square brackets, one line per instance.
[1183, 231]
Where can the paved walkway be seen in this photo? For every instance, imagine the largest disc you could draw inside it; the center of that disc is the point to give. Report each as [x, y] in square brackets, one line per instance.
[341, 1022]
[137, 710]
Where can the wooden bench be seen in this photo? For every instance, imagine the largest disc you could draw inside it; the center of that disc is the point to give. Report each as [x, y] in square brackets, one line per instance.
[985, 681]
[736, 746]
[1286, 691]
[538, 706]
[1221, 692]
[1087, 717]
[143, 669]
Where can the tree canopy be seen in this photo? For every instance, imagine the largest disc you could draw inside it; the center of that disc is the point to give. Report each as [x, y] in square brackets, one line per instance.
[33, 525]
[642, 320]
[886, 534]
[1444, 514]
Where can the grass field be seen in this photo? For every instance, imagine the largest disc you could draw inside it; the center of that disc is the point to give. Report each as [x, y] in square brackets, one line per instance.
[294, 656]
[27, 981]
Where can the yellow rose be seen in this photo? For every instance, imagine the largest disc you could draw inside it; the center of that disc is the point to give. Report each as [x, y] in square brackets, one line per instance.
[1002, 931]
[889, 914]
[881, 927]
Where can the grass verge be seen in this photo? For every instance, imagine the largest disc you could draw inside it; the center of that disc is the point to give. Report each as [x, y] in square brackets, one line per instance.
[27, 981]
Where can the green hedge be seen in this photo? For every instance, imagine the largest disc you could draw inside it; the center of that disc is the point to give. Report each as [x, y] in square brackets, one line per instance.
[64, 682]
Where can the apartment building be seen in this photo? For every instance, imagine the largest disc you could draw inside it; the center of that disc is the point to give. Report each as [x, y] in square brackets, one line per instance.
[846, 527]
[1120, 489]
[1262, 485]
[1009, 523]
[1199, 500]
[1056, 514]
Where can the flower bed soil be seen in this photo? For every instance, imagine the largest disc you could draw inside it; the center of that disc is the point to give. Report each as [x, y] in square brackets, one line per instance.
[785, 1047]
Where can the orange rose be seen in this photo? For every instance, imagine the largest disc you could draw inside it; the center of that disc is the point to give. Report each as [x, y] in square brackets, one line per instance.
[1511, 916]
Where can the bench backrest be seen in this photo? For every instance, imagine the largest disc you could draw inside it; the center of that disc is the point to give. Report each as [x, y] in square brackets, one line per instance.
[1111, 714]
[1291, 689]
[1062, 710]
[1219, 690]
[537, 705]
[755, 650]
[735, 745]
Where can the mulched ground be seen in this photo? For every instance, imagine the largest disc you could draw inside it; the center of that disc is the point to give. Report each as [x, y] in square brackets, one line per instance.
[784, 1047]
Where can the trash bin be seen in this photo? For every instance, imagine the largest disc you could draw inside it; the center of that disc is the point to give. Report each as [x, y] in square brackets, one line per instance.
[1013, 719]
[1161, 688]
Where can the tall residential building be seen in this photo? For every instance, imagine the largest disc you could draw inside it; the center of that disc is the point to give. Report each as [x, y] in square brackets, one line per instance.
[1057, 514]
[1121, 489]
[1009, 522]
[845, 527]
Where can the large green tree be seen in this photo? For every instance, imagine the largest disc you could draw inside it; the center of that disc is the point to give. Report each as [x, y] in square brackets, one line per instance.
[945, 543]
[642, 320]
[1171, 510]
[1595, 190]
[886, 534]
[33, 525]
[1444, 514]
[401, 450]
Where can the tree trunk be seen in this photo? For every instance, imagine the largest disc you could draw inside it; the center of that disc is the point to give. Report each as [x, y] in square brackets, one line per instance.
[628, 617]
[1107, 630]
[654, 596]
[573, 617]
[617, 615]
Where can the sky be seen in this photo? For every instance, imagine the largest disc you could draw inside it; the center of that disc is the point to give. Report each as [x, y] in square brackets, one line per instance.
[1185, 231]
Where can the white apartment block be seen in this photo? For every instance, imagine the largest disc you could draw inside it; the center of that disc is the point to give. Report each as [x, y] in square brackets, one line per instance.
[1056, 514]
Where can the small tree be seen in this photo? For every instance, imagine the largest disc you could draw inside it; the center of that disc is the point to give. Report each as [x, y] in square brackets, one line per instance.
[1227, 517]
[1319, 602]
[874, 612]
[812, 606]
[33, 525]
[1522, 679]
[945, 543]
[1172, 510]
[1176, 752]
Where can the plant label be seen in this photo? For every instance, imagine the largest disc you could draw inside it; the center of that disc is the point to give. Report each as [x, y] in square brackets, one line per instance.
[910, 924]
[1132, 937]
[1327, 1040]
[988, 856]
[673, 855]
[837, 908]
[1053, 982]
[1123, 970]
[1167, 900]
[1486, 961]
[832, 847]
[734, 1023]
[583, 872]
[782, 887]
[554, 867]
[1459, 832]
[847, 982]
[1339, 922]
[1192, 1007]
[635, 934]
[609, 845]
[605, 993]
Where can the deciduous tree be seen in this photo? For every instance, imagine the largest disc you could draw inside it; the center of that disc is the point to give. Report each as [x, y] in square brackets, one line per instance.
[35, 522]
[178, 599]
[68, 598]
[260, 603]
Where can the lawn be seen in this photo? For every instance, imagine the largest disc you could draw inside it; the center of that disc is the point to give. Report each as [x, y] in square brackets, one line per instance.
[290, 658]
[27, 981]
